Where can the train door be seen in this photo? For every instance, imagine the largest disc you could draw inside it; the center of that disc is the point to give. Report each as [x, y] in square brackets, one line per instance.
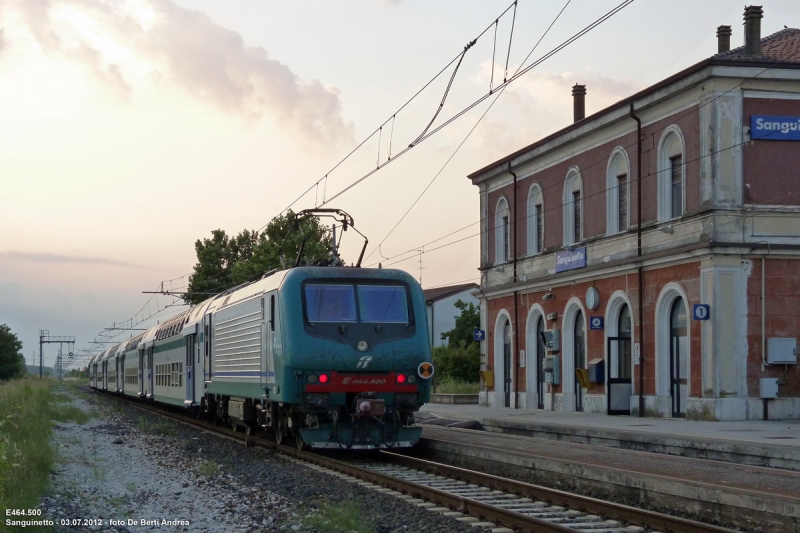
[140, 381]
[150, 390]
[207, 347]
[190, 370]
[269, 336]
[121, 374]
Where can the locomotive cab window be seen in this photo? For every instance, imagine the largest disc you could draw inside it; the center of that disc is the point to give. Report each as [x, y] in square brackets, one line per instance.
[373, 303]
[330, 303]
[382, 304]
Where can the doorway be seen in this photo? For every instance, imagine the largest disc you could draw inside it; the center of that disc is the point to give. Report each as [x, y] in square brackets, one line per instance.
[678, 358]
[619, 385]
[579, 357]
[540, 353]
[507, 364]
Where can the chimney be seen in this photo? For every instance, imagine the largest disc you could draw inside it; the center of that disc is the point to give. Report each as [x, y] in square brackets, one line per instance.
[723, 39]
[752, 30]
[579, 102]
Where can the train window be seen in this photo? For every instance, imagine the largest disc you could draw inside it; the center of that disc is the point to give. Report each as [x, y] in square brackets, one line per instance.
[330, 303]
[381, 303]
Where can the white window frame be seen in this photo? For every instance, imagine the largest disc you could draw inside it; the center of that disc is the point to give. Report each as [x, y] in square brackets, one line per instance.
[499, 234]
[612, 190]
[665, 173]
[535, 198]
[573, 182]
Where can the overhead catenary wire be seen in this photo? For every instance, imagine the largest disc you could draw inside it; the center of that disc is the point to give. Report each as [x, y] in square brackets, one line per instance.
[403, 106]
[481, 99]
[467, 136]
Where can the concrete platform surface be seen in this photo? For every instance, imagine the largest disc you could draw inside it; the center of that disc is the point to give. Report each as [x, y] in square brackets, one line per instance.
[756, 442]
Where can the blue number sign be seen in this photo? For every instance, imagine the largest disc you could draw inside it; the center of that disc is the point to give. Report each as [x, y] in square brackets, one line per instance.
[701, 312]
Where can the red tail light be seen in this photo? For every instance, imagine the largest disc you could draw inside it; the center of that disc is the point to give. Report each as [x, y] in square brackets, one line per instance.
[323, 378]
[401, 378]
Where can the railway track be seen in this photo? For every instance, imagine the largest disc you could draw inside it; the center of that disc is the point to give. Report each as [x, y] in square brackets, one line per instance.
[485, 499]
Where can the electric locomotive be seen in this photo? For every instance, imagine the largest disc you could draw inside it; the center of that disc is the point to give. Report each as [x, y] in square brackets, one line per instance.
[330, 356]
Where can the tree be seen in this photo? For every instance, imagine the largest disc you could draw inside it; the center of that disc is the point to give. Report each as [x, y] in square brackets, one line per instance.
[223, 262]
[466, 322]
[460, 358]
[12, 362]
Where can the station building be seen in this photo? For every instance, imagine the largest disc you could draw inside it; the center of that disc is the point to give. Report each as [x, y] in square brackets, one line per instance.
[656, 244]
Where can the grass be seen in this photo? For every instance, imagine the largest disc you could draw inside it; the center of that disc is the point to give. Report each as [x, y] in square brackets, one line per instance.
[345, 517]
[208, 468]
[454, 386]
[27, 407]
[152, 427]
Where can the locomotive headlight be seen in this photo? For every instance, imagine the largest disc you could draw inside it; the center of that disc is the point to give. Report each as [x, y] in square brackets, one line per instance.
[412, 378]
[313, 378]
[362, 346]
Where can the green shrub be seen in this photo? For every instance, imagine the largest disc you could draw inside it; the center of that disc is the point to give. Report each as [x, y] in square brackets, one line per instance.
[461, 362]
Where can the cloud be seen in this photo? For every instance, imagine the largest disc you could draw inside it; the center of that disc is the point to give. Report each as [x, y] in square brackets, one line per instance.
[58, 258]
[125, 42]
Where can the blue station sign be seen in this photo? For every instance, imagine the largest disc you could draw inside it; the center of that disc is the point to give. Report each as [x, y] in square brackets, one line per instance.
[596, 322]
[478, 334]
[571, 260]
[766, 128]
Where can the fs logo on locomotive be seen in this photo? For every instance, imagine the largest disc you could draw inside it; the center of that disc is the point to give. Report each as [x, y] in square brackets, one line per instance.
[364, 361]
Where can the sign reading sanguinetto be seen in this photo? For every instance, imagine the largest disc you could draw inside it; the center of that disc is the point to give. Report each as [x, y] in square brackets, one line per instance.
[774, 128]
[570, 260]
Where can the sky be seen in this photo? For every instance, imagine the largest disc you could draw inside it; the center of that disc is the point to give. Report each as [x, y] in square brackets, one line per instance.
[131, 128]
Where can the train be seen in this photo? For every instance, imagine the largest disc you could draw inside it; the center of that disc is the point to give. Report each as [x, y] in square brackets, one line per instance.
[329, 356]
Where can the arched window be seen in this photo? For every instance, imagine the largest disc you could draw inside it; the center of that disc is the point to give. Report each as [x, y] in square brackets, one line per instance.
[617, 192]
[671, 171]
[502, 236]
[535, 221]
[572, 208]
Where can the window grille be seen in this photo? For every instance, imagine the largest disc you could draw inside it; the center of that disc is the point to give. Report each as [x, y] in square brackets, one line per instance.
[676, 168]
[506, 243]
[539, 228]
[576, 206]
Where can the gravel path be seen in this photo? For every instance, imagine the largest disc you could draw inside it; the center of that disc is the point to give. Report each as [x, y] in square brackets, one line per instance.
[147, 473]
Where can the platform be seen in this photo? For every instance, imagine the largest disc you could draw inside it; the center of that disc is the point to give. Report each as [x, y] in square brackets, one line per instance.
[752, 442]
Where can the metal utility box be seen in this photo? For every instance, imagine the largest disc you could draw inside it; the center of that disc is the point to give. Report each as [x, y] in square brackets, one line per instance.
[597, 371]
[768, 388]
[552, 369]
[552, 339]
[781, 351]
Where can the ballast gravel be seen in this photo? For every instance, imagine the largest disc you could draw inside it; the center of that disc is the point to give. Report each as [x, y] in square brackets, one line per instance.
[127, 470]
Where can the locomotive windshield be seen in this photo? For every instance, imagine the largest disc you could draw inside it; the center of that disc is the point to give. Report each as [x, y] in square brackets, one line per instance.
[337, 303]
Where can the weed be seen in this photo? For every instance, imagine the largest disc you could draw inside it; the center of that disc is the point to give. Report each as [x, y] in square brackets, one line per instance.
[339, 517]
[208, 469]
[70, 412]
[26, 457]
[130, 487]
[455, 386]
[166, 428]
